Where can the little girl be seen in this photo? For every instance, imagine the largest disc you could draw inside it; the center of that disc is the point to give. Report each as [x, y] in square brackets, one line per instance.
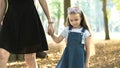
[78, 40]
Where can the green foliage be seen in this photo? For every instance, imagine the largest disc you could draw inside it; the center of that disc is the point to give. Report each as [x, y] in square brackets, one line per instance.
[117, 3]
[56, 7]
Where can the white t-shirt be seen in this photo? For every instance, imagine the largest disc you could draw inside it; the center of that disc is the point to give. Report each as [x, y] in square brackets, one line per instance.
[78, 30]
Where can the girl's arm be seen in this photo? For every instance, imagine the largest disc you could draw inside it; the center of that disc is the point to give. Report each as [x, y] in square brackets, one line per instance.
[57, 39]
[2, 9]
[88, 43]
[44, 6]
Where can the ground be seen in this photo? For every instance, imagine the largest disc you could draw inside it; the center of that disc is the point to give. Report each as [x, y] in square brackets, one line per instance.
[107, 55]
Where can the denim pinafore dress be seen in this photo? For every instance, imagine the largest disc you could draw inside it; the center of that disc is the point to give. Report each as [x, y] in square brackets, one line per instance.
[74, 53]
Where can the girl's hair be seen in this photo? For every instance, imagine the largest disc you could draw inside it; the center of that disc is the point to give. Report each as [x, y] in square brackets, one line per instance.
[77, 10]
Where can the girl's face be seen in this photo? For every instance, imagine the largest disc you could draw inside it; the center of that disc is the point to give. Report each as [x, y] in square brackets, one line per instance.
[74, 20]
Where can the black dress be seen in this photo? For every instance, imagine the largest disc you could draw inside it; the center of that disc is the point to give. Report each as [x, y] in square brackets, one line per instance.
[22, 31]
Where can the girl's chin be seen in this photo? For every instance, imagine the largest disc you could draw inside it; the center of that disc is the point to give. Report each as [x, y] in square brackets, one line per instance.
[76, 27]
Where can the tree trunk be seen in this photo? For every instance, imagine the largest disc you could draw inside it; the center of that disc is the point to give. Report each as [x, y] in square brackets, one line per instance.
[105, 21]
[67, 4]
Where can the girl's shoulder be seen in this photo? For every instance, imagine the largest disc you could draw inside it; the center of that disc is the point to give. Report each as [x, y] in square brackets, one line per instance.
[84, 30]
[66, 28]
[65, 31]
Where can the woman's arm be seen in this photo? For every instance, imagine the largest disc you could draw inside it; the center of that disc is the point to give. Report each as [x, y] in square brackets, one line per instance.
[44, 5]
[88, 43]
[2, 9]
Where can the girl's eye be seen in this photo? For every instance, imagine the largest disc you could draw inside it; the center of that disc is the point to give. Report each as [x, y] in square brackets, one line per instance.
[76, 19]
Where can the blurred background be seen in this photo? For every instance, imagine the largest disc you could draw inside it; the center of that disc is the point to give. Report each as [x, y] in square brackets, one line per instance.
[103, 15]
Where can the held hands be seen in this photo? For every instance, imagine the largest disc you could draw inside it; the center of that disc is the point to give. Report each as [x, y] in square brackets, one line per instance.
[50, 29]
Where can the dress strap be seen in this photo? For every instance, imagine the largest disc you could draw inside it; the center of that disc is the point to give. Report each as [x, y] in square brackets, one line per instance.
[70, 27]
[83, 30]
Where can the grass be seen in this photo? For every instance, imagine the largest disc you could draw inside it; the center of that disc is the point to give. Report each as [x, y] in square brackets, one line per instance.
[107, 55]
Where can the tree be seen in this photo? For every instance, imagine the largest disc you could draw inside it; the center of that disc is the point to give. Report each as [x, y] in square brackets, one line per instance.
[105, 20]
[67, 3]
[117, 3]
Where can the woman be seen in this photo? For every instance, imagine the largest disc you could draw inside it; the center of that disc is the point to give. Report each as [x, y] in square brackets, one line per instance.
[22, 31]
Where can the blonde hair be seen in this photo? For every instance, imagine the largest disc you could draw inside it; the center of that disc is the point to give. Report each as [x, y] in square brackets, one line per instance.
[78, 10]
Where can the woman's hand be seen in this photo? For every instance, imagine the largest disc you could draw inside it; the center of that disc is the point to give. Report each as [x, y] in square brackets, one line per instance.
[50, 29]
